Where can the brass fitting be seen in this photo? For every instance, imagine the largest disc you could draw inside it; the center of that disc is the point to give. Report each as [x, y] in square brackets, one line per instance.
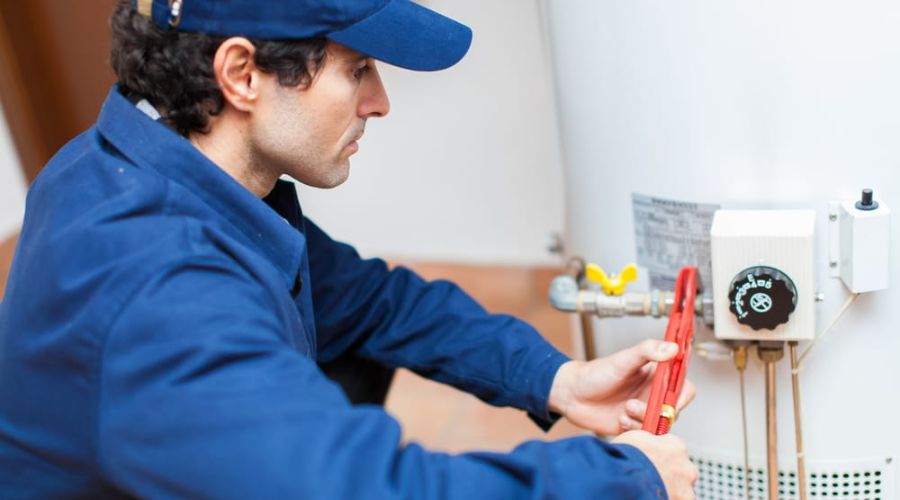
[740, 357]
[770, 352]
[666, 411]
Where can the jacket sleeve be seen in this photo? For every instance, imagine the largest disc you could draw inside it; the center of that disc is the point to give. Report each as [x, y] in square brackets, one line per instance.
[201, 396]
[434, 328]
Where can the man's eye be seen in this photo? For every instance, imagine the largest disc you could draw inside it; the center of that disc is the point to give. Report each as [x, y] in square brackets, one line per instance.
[358, 73]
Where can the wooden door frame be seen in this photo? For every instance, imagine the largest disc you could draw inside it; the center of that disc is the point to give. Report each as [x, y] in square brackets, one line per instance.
[17, 108]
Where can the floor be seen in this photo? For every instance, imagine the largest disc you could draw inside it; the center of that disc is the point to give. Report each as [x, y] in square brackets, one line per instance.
[440, 417]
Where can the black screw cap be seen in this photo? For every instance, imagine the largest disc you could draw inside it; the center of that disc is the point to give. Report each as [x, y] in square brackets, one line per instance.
[867, 202]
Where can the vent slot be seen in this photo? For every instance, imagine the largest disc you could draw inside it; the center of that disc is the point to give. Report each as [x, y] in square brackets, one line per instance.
[722, 478]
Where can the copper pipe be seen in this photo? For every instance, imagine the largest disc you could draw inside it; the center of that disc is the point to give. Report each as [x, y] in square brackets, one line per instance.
[771, 432]
[798, 429]
[746, 445]
[769, 353]
[576, 269]
[740, 362]
[587, 334]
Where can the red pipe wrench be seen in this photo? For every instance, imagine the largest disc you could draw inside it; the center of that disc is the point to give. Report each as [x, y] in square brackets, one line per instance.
[669, 377]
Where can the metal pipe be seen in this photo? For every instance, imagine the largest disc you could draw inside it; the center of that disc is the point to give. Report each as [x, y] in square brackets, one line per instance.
[567, 294]
[574, 275]
[655, 303]
[740, 362]
[575, 268]
[771, 432]
[564, 293]
[798, 429]
[585, 318]
[769, 353]
[587, 335]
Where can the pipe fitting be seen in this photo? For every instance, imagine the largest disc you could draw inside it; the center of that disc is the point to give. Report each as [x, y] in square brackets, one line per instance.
[564, 293]
[566, 296]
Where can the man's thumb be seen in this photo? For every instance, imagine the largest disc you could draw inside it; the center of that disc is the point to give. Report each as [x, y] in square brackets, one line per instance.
[648, 350]
[658, 350]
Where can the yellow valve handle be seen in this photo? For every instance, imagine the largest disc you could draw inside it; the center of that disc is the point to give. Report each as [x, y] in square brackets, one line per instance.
[615, 284]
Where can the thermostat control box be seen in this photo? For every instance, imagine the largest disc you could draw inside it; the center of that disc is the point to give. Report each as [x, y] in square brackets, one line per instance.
[763, 274]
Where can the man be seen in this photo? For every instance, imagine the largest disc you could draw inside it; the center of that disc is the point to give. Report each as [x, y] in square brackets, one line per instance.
[170, 311]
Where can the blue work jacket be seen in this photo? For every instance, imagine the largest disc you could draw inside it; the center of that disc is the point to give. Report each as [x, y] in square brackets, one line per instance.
[162, 326]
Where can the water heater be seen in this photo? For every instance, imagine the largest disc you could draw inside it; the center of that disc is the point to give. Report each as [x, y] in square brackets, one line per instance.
[739, 137]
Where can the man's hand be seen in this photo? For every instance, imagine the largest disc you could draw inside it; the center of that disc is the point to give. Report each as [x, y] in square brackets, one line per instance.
[607, 395]
[669, 456]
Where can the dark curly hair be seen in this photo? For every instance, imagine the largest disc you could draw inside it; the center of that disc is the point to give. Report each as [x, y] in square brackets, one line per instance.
[174, 70]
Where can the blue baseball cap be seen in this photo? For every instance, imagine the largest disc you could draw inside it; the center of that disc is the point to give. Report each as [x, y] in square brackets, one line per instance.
[398, 32]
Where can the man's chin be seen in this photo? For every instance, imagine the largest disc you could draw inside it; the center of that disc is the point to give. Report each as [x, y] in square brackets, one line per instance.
[331, 178]
[335, 182]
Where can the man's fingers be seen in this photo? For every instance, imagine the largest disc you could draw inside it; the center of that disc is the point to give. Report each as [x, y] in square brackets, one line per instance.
[629, 424]
[628, 360]
[636, 409]
[633, 418]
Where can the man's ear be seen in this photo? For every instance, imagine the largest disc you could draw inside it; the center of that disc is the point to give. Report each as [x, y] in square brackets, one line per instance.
[236, 73]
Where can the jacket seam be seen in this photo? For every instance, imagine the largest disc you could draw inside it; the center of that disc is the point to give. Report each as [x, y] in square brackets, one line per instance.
[104, 334]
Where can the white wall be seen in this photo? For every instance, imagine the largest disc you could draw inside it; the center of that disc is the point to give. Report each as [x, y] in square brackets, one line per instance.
[466, 167]
[12, 184]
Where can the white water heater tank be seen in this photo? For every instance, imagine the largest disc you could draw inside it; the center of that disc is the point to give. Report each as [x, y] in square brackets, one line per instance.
[669, 111]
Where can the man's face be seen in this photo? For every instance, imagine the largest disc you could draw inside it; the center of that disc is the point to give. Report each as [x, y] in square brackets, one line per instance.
[310, 132]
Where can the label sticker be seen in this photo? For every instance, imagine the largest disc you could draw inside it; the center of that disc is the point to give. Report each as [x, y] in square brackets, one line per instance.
[671, 234]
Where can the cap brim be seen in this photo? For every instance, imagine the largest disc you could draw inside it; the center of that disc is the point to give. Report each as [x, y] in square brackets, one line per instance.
[408, 35]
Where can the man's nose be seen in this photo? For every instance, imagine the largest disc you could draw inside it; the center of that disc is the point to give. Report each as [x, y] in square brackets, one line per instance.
[374, 100]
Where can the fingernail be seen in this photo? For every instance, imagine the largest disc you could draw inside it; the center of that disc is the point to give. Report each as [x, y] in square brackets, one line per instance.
[668, 348]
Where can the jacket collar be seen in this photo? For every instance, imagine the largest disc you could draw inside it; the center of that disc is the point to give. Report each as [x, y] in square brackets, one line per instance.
[151, 144]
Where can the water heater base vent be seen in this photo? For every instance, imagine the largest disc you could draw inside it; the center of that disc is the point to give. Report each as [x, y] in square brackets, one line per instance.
[722, 478]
